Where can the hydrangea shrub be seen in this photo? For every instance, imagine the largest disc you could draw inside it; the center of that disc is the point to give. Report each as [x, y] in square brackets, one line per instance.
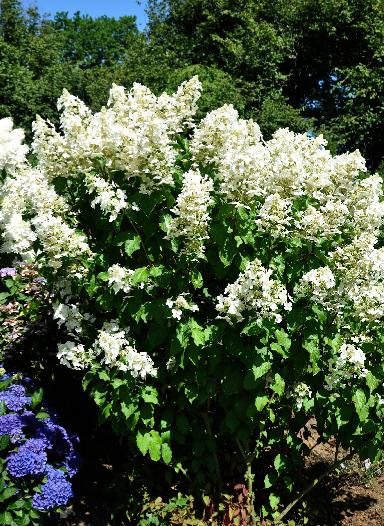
[37, 455]
[219, 291]
[23, 300]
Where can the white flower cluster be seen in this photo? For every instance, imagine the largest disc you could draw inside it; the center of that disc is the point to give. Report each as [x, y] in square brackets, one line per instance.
[350, 363]
[74, 355]
[350, 355]
[115, 350]
[316, 283]
[134, 134]
[27, 193]
[291, 181]
[231, 144]
[302, 392]
[71, 317]
[118, 278]
[109, 197]
[179, 305]
[12, 149]
[191, 211]
[112, 349]
[254, 291]
[358, 269]
[58, 240]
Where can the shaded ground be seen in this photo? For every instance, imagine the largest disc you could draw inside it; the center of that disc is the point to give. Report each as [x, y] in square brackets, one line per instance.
[351, 497]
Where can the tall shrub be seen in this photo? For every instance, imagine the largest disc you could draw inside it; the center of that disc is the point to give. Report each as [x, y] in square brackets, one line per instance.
[220, 292]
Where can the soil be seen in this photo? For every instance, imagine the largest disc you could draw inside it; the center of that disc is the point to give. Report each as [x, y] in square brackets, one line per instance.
[350, 496]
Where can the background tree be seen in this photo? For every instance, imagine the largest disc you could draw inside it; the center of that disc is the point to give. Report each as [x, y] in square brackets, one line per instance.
[304, 65]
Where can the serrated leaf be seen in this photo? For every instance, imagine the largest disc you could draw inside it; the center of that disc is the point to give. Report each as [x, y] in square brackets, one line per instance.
[261, 370]
[361, 405]
[279, 385]
[155, 446]
[372, 381]
[149, 395]
[142, 442]
[197, 333]
[261, 402]
[131, 245]
[166, 453]
[274, 501]
[279, 463]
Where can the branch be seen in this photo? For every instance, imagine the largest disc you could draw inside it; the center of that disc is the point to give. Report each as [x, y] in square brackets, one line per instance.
[313, 484]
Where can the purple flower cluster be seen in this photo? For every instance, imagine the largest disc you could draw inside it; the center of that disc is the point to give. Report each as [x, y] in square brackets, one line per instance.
[15, 398]
[6, 272]
[30, 459]
[43, 449]
[54, 493]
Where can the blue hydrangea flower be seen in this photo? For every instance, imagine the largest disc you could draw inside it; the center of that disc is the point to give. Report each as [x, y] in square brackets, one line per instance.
[12, 425]
[30, 459]
[15, 398]
[54, 493]
[72, 463]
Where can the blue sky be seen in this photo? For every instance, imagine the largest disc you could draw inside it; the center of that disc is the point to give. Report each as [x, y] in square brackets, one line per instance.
[115, 8]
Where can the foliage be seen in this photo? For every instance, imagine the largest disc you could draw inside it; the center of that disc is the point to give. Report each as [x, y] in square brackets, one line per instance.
[220, 290]
[319, 60]
[22, 303]
[37, 455]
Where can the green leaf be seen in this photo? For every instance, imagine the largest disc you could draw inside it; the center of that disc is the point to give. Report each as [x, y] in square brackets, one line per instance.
[361, 405]
[279, 463]
[156, 271]
[197, 332]
[128, 409]
[261, 402]
[312, 346]
[279, 386]
[197, 279]
[4, 442]
[269, 480]
[142, 442]
[131, 245]
[372, 381]
[283, 339]
[7, 493]
[4, 296]
[261, 370]
[274, 501]
[140, 275]
[103, 375]
[42, 415]
[155, 446]
[166, 453]
[149, 395]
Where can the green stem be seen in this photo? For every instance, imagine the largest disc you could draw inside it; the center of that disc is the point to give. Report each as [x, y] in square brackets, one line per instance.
[208, 426]
[250, 496]
[249, 476]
